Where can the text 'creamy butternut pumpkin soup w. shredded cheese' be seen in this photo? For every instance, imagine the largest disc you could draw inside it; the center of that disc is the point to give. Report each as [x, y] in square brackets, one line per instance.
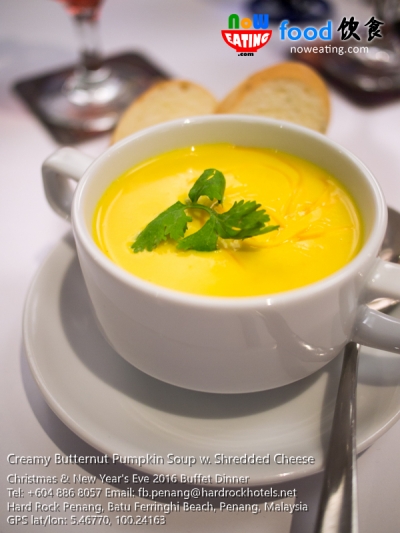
[224, 220]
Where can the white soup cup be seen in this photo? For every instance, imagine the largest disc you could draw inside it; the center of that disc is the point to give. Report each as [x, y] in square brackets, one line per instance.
[221, 344]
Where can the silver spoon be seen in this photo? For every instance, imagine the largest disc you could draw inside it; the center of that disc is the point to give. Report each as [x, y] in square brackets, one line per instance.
[337, 511]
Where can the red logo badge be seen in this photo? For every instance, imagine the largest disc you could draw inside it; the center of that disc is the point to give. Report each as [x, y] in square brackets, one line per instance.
[246, 39]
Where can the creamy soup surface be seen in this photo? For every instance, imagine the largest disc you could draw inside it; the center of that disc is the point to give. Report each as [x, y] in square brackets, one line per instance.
[320, 227]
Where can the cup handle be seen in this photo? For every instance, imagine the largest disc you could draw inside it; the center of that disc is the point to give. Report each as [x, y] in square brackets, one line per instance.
[373, 328]
[59, 173]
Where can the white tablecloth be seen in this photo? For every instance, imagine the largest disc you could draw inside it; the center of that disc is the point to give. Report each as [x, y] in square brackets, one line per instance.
[183, 37]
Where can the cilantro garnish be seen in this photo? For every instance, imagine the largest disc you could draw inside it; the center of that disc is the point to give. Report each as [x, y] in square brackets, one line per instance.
[241, 221]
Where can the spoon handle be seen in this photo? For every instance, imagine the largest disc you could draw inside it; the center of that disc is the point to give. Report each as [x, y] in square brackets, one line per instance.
[337, 511]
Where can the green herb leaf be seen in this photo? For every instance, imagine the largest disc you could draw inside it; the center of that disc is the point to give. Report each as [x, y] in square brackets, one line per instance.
[211, 183]
[243, 220]
[172, 222]
[204, 240]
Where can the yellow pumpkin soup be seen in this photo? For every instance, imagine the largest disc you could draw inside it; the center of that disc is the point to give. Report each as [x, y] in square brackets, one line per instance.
[319, 227]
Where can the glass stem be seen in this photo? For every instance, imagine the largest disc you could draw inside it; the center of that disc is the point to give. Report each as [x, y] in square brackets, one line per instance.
[86, 25]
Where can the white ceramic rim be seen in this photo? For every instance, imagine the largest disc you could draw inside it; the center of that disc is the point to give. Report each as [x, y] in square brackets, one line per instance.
[370, 247]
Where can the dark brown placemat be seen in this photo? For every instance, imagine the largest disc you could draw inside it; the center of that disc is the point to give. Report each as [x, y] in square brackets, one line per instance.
[30, 89]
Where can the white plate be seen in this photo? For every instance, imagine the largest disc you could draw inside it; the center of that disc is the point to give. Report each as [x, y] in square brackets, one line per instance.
[119, 410]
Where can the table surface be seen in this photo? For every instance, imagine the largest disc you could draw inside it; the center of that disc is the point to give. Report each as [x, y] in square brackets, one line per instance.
[182, 37]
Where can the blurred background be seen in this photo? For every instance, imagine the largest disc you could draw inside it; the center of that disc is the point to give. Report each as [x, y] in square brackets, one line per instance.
[177, 39]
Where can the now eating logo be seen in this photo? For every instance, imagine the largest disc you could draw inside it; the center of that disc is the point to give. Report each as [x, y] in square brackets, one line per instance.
[246, 39]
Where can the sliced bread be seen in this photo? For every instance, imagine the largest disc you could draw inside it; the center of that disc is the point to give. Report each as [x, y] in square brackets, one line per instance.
[286, 91]
[166, 100]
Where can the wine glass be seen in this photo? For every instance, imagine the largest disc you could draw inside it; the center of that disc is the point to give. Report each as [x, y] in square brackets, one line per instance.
[379, 68]
[93, 95]
[367, 69]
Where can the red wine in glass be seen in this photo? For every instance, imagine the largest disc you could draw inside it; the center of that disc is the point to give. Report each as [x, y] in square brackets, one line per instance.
[77, 6]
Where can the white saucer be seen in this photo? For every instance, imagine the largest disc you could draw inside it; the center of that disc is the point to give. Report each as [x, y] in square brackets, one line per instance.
[118, 409]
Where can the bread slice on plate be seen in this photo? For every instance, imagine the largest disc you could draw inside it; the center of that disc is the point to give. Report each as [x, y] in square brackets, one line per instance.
[286, 91]
[166, 100]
